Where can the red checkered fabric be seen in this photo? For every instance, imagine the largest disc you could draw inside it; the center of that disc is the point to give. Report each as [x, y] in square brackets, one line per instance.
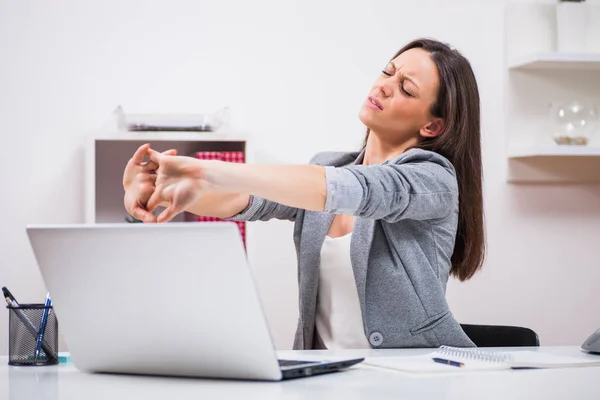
[228, 156]
[233, 156]
[209, 155]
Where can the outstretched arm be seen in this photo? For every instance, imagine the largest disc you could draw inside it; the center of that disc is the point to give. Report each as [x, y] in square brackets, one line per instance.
[219, 204]
[189, 184]
[417, 184]
[299, 186]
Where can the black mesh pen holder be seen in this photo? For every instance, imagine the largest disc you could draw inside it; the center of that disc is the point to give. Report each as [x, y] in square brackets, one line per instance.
[24, 333]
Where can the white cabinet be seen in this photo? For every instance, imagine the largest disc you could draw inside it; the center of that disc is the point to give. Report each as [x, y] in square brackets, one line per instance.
[537, 75]
[107, 155]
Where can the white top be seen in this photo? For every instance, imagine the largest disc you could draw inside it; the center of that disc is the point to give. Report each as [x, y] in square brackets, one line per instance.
[339, 319]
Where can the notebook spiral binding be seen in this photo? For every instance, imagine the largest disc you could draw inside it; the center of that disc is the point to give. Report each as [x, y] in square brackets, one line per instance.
[473, 354]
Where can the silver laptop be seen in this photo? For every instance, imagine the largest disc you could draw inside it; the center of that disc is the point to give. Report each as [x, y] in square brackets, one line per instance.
[161, 299]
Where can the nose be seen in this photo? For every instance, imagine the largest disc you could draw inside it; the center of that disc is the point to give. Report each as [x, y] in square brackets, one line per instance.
[385, 87]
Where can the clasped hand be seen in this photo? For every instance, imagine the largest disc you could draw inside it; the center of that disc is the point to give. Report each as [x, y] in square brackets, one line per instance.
[175, 182]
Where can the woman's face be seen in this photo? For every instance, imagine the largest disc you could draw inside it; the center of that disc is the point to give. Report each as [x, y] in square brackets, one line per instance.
[398, 105]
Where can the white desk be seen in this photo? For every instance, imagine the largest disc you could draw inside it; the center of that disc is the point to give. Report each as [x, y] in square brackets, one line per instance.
[65, 382]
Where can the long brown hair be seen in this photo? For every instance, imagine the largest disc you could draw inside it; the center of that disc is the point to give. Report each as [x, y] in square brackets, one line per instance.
[457, 103]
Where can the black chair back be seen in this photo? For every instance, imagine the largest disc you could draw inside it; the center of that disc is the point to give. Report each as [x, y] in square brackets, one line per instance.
[501, 336]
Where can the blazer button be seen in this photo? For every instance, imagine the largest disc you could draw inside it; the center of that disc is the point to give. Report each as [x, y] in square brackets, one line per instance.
[376, 339]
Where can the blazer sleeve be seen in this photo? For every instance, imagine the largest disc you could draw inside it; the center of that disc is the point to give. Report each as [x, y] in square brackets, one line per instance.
[418, 184]
[260, 209]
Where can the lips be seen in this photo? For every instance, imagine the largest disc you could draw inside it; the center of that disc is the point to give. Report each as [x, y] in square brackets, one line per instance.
[374, 101]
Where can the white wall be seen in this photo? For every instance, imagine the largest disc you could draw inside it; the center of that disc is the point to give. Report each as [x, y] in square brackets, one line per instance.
[295, 75]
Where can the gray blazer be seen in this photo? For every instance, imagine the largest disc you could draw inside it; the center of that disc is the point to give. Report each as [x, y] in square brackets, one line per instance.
[406, 219]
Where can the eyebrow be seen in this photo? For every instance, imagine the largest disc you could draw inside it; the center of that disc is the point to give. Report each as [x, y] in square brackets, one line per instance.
[405, 76]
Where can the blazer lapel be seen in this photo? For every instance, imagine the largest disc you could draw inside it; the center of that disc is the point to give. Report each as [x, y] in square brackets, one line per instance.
[315, 226]
[314, 230]
[360, 246]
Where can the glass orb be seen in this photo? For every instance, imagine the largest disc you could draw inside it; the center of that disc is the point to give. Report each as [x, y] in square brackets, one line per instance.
[573, 122]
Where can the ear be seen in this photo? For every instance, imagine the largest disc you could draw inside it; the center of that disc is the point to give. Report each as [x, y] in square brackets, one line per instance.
[433, 128]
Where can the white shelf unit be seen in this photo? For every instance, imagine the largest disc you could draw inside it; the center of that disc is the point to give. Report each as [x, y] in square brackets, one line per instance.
[554, 151]
[537, 75]
[567, 61]
[107, 155]
[161, 136]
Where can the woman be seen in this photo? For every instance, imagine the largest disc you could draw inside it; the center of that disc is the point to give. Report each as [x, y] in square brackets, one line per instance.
[410, 203]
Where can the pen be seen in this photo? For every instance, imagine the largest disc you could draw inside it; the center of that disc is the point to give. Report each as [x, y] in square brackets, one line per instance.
[40, 338]
[10, 299]
[448, 362]
[12, 302]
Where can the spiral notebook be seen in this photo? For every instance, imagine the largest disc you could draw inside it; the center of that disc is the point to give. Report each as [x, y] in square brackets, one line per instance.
[473, 359]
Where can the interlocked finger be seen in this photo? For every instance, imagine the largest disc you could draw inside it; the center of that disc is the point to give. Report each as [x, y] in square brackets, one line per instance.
[150, 166]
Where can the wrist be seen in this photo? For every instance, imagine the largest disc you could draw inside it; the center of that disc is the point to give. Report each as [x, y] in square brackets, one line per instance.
[209, 172]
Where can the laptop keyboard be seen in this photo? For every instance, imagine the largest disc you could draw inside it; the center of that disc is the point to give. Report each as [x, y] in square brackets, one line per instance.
[289, 363]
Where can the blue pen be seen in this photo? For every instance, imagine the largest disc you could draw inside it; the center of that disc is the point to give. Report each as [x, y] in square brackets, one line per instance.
[40, 338]
[449, 362]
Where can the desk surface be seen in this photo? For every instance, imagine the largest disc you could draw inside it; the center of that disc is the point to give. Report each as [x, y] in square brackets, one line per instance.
[64, 382]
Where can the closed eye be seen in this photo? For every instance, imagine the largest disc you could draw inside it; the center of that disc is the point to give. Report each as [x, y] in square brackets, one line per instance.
[406, 92]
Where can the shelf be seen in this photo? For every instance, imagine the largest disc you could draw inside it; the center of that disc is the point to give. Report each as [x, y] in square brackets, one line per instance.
[555, 151]
[535, 75]
[168, 136]
[554, 164]
[565, 61]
